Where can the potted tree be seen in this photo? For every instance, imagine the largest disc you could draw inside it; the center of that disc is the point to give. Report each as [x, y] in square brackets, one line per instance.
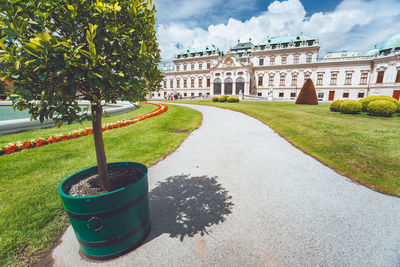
[57, 52]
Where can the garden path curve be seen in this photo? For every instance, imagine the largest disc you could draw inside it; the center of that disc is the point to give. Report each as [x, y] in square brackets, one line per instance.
[237, 194]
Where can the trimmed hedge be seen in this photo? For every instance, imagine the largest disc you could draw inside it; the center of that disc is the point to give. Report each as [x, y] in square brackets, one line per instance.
[214, 99]
[233, 99]
[350, 107]
[335, 105]
[366, 101]
[223, 98]
[381, 108]
[308, 95]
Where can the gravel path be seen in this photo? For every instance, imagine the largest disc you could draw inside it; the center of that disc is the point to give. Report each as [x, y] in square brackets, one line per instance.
[237, 194]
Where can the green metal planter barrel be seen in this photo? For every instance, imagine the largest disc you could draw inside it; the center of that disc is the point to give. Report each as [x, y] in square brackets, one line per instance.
[110, 224]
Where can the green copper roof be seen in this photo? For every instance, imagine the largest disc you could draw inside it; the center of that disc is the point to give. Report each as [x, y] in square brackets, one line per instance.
[390, 43]
[286, 39]
[208, 48]
[166, 67]
[372, 52]
[240, 46]
[343, 54]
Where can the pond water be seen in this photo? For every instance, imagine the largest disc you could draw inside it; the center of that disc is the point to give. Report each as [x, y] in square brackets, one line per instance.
[8, 113]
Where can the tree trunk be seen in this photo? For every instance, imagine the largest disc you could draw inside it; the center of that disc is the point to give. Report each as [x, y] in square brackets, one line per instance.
[105, 182]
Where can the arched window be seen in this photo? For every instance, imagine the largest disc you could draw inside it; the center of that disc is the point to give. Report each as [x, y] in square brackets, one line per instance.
[228, 86]
[239, 85]
[217, 86]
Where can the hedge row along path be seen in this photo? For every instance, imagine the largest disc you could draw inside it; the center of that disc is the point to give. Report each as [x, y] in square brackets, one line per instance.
[12, 148]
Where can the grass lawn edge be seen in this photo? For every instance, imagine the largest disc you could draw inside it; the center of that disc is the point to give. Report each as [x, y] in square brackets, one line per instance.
[44, 258]
[347, 175]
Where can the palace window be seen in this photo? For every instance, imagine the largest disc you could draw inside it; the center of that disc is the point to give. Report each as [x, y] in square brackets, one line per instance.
[192, 83]
[309, 58]
[320, 78]
[282, 80]
[259, 94]
[293, 94]
[345, 95]
[260, 81]
[333, 78]
[281, 94]
[200, 66]
[192, 94]
[171, 83]
[347, 81]
[208, 82]
[184, 94]
[272, 61]
[398, 76]
[184, 83]
[178, 83]
[284, 59]
[177, 67]
[271, 80]
[208, 65]
[165, 84]
[379, 79]
[261, 62]
[296, 59]
[320, 95]
[192, 66]
[184, 67]
[306, 76]
[364, 77]
[361, 95]
[200, 82]
[294, 79]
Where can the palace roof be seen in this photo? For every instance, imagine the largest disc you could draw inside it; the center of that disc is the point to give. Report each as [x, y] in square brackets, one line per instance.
[344, 54]
[372, 52]
[286, 39]
[208, 48]
[240, 46]
[392, 42]
[166, 67]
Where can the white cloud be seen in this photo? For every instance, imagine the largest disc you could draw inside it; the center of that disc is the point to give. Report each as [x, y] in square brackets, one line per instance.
[353, 25]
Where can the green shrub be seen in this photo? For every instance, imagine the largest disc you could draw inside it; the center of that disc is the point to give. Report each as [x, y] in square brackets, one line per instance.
[223, 98]
[233, 99]
[335, 106]
[365, 101]
[382, 108]
[214, 99]
[350, 107]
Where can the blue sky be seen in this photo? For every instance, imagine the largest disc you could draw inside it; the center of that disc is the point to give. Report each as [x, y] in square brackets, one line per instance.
[339, 25]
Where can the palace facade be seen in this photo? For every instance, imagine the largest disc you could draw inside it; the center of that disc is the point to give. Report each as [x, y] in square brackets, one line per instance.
[277, 68]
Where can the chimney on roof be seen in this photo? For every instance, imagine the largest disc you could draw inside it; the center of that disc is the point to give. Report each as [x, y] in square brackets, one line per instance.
[250, 40]
[238, 40]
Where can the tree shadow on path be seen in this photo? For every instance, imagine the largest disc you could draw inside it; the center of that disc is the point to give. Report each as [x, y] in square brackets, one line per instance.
[183, 206]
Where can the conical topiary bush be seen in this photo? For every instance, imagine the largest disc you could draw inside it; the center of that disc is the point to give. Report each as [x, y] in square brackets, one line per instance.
[308, 95]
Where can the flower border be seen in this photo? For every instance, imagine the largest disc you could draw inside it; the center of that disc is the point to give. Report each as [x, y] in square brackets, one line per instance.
[12, 148]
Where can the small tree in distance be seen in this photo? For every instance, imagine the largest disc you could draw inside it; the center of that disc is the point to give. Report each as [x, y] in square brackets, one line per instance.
[58, 50]
[308, 95]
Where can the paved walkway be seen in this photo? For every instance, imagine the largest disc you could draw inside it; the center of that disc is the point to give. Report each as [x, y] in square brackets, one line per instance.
[237, 194]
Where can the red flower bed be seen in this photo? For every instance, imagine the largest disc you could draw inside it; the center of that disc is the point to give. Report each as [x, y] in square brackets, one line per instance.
[11, 148]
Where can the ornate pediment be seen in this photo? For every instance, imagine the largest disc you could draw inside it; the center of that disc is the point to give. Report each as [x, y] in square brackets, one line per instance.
[228, 61]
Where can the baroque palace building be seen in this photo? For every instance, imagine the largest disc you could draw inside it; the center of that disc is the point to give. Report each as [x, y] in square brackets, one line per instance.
[277, 68]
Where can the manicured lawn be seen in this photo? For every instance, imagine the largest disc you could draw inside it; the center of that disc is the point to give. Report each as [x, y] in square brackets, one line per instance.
[362, 147]
[31, 212]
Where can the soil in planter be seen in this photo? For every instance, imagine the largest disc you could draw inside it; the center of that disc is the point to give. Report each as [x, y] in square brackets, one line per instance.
[90, 186]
